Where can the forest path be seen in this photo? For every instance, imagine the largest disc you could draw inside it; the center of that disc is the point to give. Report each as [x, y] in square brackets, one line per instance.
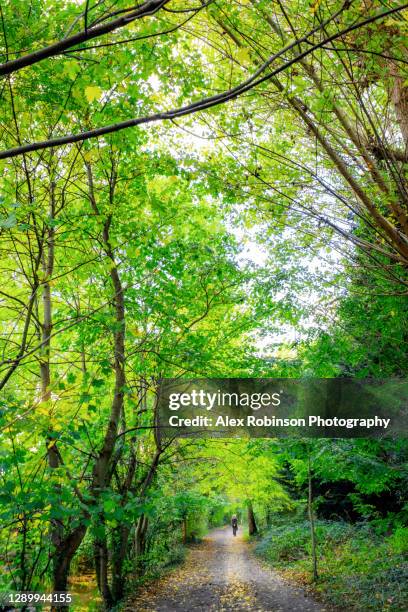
[222, 574]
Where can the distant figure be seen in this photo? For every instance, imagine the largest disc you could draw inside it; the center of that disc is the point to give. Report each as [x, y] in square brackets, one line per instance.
[234, 523]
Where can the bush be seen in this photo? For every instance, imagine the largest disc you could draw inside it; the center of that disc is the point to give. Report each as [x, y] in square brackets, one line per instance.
[359, 569]
[285, 543]
[399, 540]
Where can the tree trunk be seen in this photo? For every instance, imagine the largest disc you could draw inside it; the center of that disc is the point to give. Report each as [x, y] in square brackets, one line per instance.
[252, 528]
[62, 561]
[23, 566]
[399, 97]
[118, 557]
[140, 544]
[101, 467]
[184, 528]
[311, 519]
[121, 538]
[60, 567]
[101, 560]
[101, 470]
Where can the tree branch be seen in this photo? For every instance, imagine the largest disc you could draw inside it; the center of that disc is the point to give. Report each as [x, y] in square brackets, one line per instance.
[145, 10]
[205, 103]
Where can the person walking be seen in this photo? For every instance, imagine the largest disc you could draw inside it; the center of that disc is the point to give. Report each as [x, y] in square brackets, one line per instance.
[234, 524]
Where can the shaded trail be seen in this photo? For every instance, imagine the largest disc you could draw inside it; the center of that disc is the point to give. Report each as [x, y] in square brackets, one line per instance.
[222, 574]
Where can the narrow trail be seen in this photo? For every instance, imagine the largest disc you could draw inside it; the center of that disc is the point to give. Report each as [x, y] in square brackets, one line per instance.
[222, 574]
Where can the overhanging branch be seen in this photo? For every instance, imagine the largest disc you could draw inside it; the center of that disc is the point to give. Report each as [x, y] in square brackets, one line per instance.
[146, 9]
[253, 81]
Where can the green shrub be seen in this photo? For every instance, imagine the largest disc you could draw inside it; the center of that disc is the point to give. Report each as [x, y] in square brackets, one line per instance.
[399, 540]
[285, 543]
[359, 568]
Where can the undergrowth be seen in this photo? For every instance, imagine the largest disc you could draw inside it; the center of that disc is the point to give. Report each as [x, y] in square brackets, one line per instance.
[359, 567]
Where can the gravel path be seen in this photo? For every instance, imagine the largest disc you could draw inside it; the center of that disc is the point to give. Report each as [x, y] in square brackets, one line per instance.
[222, 574]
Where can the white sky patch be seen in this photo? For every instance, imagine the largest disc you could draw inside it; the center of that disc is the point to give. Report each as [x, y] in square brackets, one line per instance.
[154, 82]
[252, 250]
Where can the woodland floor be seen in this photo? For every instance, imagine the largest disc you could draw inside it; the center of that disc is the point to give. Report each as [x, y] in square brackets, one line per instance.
[222, 574]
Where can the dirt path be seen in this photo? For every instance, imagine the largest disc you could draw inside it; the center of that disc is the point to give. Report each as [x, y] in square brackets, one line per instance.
[222, 574]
